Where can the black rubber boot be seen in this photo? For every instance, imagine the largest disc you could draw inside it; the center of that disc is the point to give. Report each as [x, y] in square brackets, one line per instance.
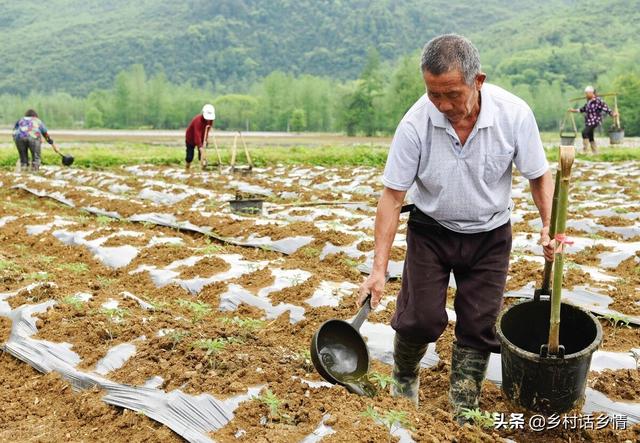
[468, 369]
[406, 368]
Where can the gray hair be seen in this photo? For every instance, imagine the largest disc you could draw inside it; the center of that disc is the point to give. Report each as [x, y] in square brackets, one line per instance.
[448, 52]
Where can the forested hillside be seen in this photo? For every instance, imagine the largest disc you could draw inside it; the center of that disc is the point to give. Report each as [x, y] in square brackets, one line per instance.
[321, 65]
[78, 46]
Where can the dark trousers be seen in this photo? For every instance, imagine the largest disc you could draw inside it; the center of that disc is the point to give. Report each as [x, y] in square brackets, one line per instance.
[479, 263]
[26, 145]
[587, 132]
[190, 152]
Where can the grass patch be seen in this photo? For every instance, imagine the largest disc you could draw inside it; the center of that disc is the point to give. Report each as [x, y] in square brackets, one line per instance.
[611, 155]
[78, 268]
[100, 156]
[107, 155]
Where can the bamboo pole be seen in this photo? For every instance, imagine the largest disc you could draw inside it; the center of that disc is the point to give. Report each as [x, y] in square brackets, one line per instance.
[234, 150]
[548, 265]
[215, 145]
[246, 150]
[567, 155]
[608, 94]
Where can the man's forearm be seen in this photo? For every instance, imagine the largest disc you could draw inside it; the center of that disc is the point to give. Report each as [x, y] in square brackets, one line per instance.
[387, 216]
[542, 193]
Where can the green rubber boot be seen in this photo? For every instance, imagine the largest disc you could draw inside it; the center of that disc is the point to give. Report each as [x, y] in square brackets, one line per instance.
[468, 369]
[406, 368]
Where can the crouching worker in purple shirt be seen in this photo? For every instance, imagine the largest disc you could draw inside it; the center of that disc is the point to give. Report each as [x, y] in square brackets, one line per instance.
[454, 149]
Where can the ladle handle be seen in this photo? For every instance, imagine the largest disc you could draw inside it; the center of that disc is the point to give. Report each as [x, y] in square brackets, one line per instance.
[363, 313]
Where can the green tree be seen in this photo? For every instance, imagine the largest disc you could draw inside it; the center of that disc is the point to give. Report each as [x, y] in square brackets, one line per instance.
[628, 88]
[298, 120]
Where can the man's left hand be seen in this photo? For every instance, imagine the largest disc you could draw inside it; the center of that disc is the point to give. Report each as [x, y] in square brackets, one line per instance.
[548, 245]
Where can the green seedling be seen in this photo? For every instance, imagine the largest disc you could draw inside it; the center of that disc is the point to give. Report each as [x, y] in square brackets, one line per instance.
[392, 419]
[272, 401]
[253, 267]
[176, 337]
[382, 380]
[518, 252]
[103, 220]
[47, 259]
[620, 210]
[295, 280]
[158, 305]
[40, 276]
[78, 268]
[104, 281]
[212, 346]
[74, 302]
[304, 356]
[595, 237]
[571, 265]
[82, 219]
[7, 265]
[483, 419]
[115, 315]
[350, 262]
[198, 309]
[22, 249]
[248, 324]
[616, 321]
[311, 252]
[636, 357]
[211, 248]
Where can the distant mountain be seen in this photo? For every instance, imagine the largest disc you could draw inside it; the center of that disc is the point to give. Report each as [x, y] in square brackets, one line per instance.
[77, 46]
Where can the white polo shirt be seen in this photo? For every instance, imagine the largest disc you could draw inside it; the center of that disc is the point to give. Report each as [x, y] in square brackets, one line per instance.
[466, 188]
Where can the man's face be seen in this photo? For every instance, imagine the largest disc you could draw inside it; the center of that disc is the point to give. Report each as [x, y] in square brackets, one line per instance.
[451, 95]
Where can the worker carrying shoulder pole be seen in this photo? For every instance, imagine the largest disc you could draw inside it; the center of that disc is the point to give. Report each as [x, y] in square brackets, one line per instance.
[198, 133]
[592, 110]
[455, 148]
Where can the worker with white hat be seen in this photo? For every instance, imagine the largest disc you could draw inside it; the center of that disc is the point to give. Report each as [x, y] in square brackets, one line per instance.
[198, 133]
[593, 110]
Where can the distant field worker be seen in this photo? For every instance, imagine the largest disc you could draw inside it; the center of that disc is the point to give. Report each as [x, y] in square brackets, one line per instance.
[593, 110]
[27, 135]
[198, 133]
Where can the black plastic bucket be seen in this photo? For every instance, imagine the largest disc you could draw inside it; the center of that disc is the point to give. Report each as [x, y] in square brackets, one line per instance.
[546, 384]
[616, 136]
[249, 206]
[242, 170]
[567, 140]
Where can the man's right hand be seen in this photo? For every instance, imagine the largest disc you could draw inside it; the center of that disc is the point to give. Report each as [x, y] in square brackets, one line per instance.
[374, 285]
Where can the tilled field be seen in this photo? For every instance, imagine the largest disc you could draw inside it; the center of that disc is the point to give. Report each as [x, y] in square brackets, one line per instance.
[142, 289]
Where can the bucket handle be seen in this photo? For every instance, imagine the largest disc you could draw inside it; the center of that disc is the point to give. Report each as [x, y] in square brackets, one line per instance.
[544, 351]
[568, 116]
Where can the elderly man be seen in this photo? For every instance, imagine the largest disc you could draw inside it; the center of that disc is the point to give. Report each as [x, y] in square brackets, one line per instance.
[455, 146]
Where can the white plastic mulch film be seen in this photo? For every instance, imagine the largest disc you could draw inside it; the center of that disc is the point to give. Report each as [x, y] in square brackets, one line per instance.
[150, 197]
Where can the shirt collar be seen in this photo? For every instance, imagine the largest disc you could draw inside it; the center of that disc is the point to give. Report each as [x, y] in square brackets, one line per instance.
[485, 118]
